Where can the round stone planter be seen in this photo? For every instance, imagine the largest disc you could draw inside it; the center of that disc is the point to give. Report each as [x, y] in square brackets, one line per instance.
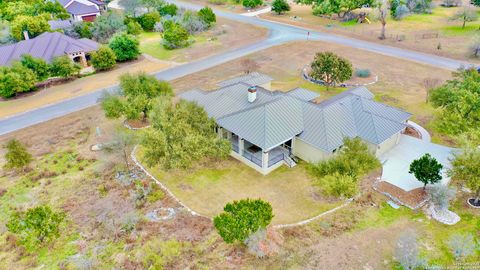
[470, 202]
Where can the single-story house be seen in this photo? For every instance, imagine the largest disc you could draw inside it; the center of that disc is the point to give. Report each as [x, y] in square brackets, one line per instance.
[47, 46]
[84, 10]
[269, 128]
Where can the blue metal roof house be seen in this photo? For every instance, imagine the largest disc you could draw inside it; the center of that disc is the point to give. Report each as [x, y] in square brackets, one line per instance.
[268, 128]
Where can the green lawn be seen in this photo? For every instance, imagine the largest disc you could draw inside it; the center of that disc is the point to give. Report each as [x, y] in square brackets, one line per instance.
[207, 189]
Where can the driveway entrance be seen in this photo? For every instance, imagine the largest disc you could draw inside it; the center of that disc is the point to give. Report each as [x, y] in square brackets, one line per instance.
[396, 162]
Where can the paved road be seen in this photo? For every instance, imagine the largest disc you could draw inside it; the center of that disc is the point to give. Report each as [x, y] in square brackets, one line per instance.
[279, 34]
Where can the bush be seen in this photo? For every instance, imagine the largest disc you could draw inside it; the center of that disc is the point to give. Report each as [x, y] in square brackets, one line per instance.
[106, 26]
[168, 9]
[207, 15]
[16, 79]
[17, 156]
[134, 28]
[36, 225]
[157, 254]
[148, 20]
[440, 196]
[252, 3]
[242, 218]
[339, 185]
[126, 47]
[462, 246]
[174, 36]
[192, 22]
[36, 65]
[407, 252]
[64, 67]
[280, 6]
[362, 73]
[401, 12]
[103, 59]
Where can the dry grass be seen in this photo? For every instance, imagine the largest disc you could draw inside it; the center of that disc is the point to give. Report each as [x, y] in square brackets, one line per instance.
[210, 186]
[415, 29]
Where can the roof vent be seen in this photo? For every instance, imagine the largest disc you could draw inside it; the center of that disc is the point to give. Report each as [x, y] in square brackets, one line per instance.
[252, 94]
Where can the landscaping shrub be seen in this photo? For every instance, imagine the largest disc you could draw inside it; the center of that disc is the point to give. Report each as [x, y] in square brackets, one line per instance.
[462, 245]
[103, 59]
[17, 156]
[134, 28]
[207, 15]
[37, 65]
[241, 219]
[168, 9]
[280, 6]
[63, 66]
[401, 12]
[217, 2]
[339, 175]
[252, 3]
[157, 253]
[36, 226]
[192, 22]
[148, 20]
[174, 36]
[106, 26]
[362, 73]
[407, 251]
[440, 196]
[16, 79]
[126, 47]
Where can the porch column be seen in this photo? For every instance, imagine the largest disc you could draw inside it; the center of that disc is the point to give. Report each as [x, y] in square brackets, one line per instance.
[220, 132]
[229, 135]
[264, 160]
[240, 146]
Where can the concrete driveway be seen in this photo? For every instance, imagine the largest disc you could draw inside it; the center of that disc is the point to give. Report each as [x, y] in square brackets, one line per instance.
[396, 162]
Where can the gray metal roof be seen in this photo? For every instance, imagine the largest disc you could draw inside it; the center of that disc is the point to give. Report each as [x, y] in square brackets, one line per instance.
[59, 24]
[303, 94]
[275, 117]
[46, 46]
[251, 79]
[77, 8]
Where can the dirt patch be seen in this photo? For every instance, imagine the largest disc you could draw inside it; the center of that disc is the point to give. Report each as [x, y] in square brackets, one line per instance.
[411, 198]
[136, 123]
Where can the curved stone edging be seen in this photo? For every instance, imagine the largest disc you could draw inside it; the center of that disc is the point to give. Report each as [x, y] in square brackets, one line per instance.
[312, 80]
[125, 124]
[162, 186]
[192, 212]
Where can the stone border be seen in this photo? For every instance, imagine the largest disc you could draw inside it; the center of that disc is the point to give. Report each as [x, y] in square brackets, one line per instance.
[192, 212]
[471, 205]
[125, 124]
[319, 82]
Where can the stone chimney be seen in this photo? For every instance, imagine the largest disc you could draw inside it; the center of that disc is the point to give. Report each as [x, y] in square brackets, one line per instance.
[25, 35]
[252, 94]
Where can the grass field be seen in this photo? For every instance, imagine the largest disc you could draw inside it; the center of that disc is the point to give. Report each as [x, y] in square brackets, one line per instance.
[208, 188]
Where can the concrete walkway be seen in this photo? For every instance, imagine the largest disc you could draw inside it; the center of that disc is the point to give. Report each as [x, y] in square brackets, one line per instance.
[257, 12]
[425, 135]
[396, 162]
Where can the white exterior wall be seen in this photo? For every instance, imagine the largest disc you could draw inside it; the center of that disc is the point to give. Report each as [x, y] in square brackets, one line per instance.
[387, 145]
[308, 152]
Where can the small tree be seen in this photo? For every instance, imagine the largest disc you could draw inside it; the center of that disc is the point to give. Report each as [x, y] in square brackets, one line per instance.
[252, 3]
[465, 15]
[280, 6]
[466, 168]
[242, 218]
[440, 196]
[382, 13]
[17, 155]
[36, 225]
[339, 185]
[174, 36]
[406, 251]
[106, 26]
[33, 25]
[426, 169]
[103, 59]
[126, 47]
[168, 9]
[134, 28]
[249, 65]
[475, 46]
[64, 67]
[148, 20]
[330, 68]
[207, 15]
[462, 245]
[16, 79]
[123, 141]
[37, 65]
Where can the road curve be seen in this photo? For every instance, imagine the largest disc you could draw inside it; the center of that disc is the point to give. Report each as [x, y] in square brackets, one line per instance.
[279, 34]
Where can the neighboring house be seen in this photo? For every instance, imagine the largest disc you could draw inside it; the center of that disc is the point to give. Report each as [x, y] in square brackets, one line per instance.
[84, 10]
[60, 24]
[267, 128]
[47, 46]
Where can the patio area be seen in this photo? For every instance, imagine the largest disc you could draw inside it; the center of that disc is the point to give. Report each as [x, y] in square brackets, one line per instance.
[396, 162]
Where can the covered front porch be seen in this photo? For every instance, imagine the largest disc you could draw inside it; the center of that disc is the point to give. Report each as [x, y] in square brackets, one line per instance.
[264, 161]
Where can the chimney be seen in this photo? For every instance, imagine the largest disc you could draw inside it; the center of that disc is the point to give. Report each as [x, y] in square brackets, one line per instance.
[25, 35]
[252, 94]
